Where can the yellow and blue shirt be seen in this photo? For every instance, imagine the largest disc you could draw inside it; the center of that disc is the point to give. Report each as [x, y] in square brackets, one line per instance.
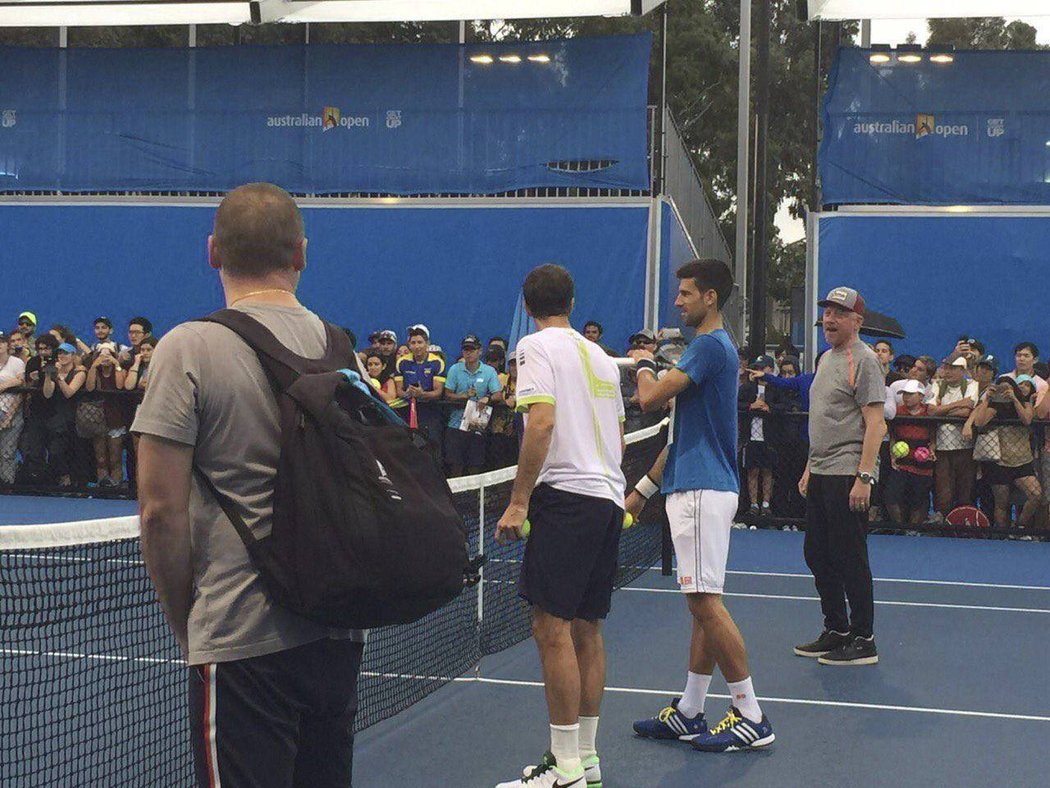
[420, 373]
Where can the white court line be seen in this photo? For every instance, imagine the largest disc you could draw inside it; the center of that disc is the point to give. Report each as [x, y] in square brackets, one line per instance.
[896, 603]
[801, 702]
[626, 690]
[897, 580]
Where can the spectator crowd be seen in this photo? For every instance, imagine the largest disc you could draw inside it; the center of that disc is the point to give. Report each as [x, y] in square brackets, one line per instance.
[66, 405]
[962, 432]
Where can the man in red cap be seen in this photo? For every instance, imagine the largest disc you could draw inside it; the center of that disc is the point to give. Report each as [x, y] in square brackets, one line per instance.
[846, 425]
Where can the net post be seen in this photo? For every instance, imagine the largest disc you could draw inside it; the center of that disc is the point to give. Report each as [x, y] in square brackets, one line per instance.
[481, 574]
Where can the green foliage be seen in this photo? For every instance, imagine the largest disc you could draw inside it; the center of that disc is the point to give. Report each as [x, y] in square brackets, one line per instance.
[985, 33]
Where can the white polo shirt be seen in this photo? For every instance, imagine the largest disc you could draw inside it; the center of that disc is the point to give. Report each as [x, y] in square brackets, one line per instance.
[558, 366]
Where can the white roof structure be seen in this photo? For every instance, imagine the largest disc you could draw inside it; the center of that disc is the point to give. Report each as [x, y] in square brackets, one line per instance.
[830, 10]
[104, 13]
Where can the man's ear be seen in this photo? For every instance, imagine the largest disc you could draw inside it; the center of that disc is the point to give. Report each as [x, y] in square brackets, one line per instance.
[213, 254]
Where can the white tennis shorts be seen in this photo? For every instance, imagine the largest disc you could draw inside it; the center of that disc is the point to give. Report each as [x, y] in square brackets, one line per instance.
[701, 521]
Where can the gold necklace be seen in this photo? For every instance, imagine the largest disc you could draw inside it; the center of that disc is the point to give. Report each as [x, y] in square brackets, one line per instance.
[262, 292]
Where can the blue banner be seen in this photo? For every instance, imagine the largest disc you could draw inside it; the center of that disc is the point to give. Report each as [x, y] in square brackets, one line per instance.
[459, 270]
[325, 119]
[972, 131]
[945, 276]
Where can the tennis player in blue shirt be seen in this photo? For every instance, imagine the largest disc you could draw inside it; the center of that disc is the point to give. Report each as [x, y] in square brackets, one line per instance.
[698, 474]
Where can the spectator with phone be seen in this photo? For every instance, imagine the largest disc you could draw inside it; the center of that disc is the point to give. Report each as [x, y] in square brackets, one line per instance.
[106, 376]
[64, 377]
[755, 436]
[18, 346]
[1004, 404]
[35, 434]
[954, 397]
[375, 366]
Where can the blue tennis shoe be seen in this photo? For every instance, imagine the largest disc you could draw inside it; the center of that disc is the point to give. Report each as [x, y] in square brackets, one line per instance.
[670, 723]
[734, 733]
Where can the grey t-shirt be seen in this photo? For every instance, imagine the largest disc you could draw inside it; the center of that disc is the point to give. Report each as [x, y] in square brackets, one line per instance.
[207, 389]
[847, 379]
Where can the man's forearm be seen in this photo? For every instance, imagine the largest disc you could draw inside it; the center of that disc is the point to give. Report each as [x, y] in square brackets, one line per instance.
[166, 552]
[534, 447]
[873, 432]
[656, 473]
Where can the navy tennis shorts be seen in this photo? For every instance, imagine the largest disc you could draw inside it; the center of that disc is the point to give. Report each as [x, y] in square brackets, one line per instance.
[571, 555]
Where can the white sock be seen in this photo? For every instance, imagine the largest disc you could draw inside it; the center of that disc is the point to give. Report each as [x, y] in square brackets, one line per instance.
[692, 702]
[565, 747]
[588, 734]
[743, 695]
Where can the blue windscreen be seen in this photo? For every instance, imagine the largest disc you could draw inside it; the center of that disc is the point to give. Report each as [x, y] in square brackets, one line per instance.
[457, 269]
[944, 277]
[408, 119]
[973, 131]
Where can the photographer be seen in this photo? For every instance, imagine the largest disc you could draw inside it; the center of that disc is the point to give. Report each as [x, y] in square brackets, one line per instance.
[12, 375]
[63, 378]
[35, 436]
[105, 375]
[1010, 400]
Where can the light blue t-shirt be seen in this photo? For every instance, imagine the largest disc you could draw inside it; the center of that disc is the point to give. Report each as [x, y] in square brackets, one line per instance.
[702, 446]
[484, 380]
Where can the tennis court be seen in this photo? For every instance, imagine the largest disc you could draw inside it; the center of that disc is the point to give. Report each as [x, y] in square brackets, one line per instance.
[92, 691]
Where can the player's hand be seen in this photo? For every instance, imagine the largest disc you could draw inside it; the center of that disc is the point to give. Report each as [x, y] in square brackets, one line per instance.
[803, 483]
[509, 527]
[634, 504]
[859, 496]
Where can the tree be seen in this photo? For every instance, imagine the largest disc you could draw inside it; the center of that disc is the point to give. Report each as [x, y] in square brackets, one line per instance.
[984, 33]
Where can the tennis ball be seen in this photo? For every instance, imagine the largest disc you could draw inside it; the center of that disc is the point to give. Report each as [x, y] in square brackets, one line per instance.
[525, 528]
[922, 454]
[628, 520]
[900, 450]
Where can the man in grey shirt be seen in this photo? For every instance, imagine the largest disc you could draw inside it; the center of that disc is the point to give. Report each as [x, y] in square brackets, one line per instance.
[846, 425]
[272, 695]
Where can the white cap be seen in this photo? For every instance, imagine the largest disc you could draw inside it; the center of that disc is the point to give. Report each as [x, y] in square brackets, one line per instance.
[913, 387]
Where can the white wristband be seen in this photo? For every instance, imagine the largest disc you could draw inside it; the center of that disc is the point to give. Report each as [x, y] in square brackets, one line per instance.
[646, 487]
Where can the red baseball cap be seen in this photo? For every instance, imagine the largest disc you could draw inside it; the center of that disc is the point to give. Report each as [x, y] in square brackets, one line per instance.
[845, 297]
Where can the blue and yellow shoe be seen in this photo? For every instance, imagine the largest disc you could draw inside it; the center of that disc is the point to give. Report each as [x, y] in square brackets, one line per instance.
[670, 723]
[735, 732]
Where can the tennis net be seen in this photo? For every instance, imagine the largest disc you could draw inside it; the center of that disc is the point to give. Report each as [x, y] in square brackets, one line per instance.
[93, 687]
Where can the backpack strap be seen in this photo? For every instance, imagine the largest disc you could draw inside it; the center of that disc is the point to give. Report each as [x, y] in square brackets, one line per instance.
[282, 365]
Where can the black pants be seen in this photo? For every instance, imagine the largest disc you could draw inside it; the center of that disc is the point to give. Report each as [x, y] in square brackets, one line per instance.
[836, 551]
[276, 721]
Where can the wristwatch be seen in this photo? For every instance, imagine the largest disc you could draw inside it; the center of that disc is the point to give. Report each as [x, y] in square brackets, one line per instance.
[867, 478]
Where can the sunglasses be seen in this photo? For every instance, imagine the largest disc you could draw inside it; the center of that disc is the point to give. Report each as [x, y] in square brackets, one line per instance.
[24, 323]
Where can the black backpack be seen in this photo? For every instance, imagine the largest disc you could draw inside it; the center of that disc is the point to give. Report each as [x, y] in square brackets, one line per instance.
[365, 533]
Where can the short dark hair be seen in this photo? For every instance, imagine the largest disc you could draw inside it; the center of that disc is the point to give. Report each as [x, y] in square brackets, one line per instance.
[258, 230]
[416, 331]
[594, 323]
[502, 340]
[708, 274]
[150, 340]
[66, 332]
[885, 342]
[1027, 346]
[47, 339]
[147, 326]
[929, 362]
[548, 291]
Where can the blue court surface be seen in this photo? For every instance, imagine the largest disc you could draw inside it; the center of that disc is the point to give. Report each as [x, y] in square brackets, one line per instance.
[960, 696]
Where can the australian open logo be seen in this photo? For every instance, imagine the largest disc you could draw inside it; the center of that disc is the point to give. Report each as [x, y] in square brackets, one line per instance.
[8, 118]
[996, 127]
[330, 118]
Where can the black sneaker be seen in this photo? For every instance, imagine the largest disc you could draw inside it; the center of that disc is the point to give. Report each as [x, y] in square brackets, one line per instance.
[828, 641]
[859, 651]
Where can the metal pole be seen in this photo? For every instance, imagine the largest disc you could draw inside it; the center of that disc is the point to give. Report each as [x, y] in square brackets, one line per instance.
[761, 252]
[743, 132]
[865, 33]
[814, 187]
[663, 105]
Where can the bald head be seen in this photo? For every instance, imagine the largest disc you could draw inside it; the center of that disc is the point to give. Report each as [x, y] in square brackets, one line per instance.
[258, 231]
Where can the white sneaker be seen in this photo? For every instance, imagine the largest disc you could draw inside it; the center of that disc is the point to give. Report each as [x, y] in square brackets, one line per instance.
[548, 775]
